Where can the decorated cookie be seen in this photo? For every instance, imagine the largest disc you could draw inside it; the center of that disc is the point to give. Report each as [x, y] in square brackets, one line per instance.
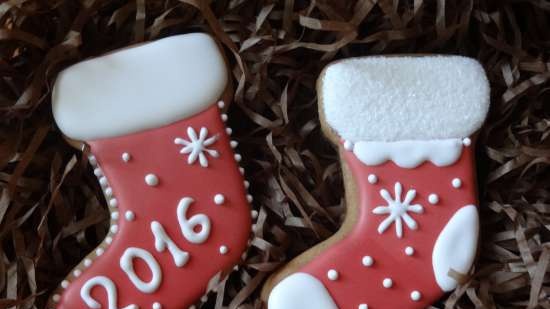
[405, 129]
[152, 118]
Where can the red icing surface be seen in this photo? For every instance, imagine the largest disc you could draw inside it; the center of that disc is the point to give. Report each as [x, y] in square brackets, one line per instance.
[154, 151]
[358, 284]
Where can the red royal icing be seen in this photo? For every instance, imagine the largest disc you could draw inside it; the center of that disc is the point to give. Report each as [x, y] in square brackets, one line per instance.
[155, 152]
[358, 284]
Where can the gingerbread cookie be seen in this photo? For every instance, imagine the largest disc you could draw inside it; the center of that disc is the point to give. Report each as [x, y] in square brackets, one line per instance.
[152, 117]
[404, 127]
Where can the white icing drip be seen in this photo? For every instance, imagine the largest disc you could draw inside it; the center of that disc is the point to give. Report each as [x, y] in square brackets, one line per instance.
[289, 294]
[187, 225]
[456, 246]
[397, 210]
[409, 153]
[163, 241]
[127, 265]
[109, 287]
[197, 146]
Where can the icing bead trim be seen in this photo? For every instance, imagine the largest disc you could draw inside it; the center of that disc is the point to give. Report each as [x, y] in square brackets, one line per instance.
[64, 284]
[113, 202]
[367, 261]
[416, 296]
[457, 183]
[249, 198]
[221, 104]
[87, 262]
[387, 283]
[77, 273]
[409, 153]
[467, 142]
[397, 210]
[196, 146]
[234, 144]
[254, 214]
[99, 251]
[433, 198]
[151, 180]
[332, 275]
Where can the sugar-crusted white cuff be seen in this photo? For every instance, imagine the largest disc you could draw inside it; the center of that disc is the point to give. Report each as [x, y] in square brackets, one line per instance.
[404, 98]
[140, 87]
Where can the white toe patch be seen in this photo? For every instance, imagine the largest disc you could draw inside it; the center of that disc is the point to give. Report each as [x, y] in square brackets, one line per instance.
[456, 246]
[300, 291]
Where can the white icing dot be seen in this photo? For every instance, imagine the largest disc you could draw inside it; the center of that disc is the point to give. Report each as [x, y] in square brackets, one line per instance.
[108, 192]
[98, 172]
[126, 157]
[241, 170]
[234, 144]
[193, 307]
[64, 284]
[387, 283]
[348, 145]
[109, 240]
[129, 215]
[363, 306]
[367, 261]
[249, 198]
[103, 181]
[151, 180]
[77, 273]
[457, 183]
[246, 184]
[114, 228]
[238, 157]
[416, 296]
[332, 275]
[433, 198]
[466, 142]
[409, 250]
[219, 199]
[221, 104]
[372, 179]
[113, 202]
[157, 306]
[229, 131]
[224, 250]
[93, 160]
[204, 298]
[254, 214]
[224, 117]
[87, 262]
[114, 215]
[99, 251]
[56, 298]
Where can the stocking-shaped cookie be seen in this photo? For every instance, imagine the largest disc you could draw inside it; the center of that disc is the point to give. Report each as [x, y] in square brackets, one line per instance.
[152, 118]
[404, 129]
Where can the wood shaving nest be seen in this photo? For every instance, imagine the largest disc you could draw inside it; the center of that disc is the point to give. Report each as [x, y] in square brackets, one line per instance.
[51, 209]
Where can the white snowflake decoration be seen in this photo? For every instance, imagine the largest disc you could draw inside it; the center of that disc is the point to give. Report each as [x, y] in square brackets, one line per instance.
[196, 146]
[397, 210]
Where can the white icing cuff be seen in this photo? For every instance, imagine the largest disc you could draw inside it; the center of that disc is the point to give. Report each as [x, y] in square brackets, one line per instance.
[409, 154]
[139, 88]
[299, 291]
[404, 98]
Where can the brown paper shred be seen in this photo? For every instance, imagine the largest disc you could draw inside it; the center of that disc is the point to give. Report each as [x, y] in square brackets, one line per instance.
[52, 212]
